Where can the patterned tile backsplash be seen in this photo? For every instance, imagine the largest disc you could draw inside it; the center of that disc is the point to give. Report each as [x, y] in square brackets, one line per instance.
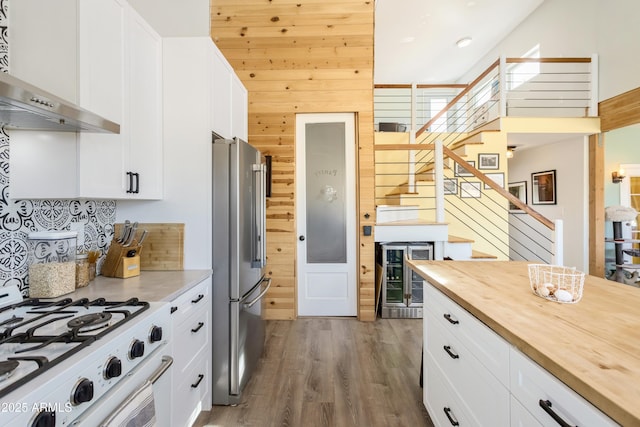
[20, 217]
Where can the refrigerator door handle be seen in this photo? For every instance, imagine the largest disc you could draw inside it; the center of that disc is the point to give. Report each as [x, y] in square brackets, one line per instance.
[259, 240]
[256, 299]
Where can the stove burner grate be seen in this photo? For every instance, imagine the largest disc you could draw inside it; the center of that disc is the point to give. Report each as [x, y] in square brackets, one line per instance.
[90, 322]
[7, 367]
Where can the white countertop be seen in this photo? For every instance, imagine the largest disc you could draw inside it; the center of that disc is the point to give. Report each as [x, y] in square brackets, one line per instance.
[148, 286]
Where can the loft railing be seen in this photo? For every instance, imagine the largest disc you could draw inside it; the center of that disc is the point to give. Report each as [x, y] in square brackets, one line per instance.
[535, 87]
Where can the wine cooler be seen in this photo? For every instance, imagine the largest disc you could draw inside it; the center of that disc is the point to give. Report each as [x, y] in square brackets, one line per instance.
[402, 288]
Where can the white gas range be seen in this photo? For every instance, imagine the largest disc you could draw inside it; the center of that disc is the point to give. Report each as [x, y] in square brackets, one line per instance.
[67, 362]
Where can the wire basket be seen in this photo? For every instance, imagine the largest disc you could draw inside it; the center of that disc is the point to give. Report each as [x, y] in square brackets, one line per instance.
[556, 283]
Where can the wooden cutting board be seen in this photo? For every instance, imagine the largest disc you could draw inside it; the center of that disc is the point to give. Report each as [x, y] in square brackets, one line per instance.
[163, 248]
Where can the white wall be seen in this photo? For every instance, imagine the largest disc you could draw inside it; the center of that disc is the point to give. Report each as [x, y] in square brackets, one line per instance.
[570, 160]
[581, 28]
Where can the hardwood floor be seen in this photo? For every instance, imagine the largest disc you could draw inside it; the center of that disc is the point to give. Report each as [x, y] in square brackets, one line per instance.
[333, 372]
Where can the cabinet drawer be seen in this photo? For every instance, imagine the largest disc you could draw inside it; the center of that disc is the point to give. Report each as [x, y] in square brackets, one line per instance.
[487, 346]
[484, 397]
[531, 384]
[190, 337]
[192, 393]
[440, 399]
[520, 417]
[195, 298]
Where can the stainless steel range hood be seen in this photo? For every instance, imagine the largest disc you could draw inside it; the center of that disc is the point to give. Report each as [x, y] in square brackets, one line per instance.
[24, 106]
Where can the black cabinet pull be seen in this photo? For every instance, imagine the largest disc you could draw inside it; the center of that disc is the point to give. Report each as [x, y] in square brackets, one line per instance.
[450, 353]
[546, 405]
[130, 187]
[137, 190]
[197, 383]
[197, 300]
[452, 321]
[174, 309]
[452, 419]
[197, 328]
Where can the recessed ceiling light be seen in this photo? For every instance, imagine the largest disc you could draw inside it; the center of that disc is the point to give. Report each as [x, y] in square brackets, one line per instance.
[464, 42]
[408, 39]
[471, 3]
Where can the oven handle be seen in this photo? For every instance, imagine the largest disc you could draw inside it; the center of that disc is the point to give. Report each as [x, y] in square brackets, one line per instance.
[155, 376]
[167, 361]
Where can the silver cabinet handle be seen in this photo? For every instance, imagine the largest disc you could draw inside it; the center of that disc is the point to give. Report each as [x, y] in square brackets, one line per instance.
[256, 299]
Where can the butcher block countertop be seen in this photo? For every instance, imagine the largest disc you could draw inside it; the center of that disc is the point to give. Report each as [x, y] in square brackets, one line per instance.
[150, 286]
[593, 346]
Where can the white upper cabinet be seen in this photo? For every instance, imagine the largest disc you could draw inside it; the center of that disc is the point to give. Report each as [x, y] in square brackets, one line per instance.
[129, 165]
[239, 114]
[113, 60]
[221, 77]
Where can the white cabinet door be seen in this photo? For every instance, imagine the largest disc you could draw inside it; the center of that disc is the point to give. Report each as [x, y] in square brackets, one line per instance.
[221, 96]
[43, 48]
[145, 109]
[239, 118]
[102, 89]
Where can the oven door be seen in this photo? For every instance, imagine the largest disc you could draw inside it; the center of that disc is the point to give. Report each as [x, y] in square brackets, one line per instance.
[121, 398]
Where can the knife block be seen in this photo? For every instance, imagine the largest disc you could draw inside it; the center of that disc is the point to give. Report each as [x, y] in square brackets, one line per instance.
[118, 264]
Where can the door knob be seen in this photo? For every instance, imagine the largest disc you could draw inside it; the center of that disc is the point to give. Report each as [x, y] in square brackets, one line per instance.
[301, 238]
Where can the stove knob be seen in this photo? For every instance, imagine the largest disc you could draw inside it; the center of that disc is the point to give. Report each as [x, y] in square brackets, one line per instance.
[44, 419]
[156, 334]
[113, 368]
[136, 349]
[83, 392]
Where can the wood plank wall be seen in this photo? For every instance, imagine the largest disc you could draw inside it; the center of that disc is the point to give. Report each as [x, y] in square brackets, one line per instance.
[303, 56]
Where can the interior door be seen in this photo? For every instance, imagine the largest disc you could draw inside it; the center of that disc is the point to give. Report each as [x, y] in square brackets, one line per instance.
[326, 214]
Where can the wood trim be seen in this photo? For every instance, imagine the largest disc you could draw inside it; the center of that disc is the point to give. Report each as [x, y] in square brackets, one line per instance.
[620, 111]
[549, 60]
[399, 147]
[420, 86]
[596, 205]
[504, 193]
[457, 98]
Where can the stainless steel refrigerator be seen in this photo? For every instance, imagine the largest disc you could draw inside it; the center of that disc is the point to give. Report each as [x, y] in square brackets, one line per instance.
[239, 258]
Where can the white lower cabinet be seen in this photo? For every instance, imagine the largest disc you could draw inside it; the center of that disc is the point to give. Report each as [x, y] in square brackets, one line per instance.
[548, 399]
[191, 373]
[473, 377]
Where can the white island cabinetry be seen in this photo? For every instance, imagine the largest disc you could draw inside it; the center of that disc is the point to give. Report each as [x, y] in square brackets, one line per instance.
[472, 376]
[191, 373]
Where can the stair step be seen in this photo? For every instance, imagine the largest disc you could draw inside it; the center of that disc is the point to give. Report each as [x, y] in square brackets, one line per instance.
[482, 255]
[456, 239]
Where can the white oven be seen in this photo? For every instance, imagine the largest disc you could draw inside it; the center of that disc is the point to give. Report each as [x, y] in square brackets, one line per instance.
[79, 362]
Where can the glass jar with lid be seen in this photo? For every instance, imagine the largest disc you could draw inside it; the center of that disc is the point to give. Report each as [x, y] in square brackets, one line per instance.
[52, 263]
[82, 271]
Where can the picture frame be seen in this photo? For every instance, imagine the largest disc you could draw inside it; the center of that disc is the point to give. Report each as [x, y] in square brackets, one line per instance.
[543, 187]
[450, 186]
[470, 190]
[498, 178]
[489, 161]
[460, 171]
[519, 190]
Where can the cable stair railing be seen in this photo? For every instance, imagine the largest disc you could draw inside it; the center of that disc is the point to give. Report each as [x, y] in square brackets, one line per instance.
[511, 236]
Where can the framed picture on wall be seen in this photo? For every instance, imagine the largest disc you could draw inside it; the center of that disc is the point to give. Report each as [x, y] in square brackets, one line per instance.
[460, 171]
[543, 188]
[489, 161]
[470, 190]
[450, 186]
[518, 189]
[498, 178]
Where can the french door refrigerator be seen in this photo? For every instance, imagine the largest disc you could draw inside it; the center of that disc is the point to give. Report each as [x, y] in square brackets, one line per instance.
[239, 283]
[402, 288]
